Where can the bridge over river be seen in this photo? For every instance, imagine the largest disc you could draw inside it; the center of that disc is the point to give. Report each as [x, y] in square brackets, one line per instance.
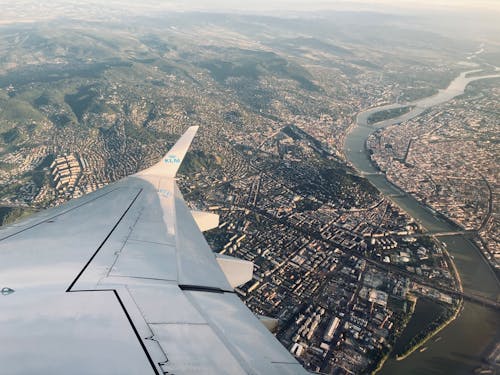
[461, 348]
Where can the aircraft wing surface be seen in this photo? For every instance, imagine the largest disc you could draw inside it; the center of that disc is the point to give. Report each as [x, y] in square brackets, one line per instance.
[122, 281]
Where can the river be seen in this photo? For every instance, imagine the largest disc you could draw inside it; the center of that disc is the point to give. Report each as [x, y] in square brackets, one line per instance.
[462, 343]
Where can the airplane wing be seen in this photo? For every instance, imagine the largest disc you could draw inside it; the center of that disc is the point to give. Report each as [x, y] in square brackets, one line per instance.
[122, 281]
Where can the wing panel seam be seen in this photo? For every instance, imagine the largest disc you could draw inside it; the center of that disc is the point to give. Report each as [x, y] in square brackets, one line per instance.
[220, 334]
[53, 217]
[103, 242]
[130, 321]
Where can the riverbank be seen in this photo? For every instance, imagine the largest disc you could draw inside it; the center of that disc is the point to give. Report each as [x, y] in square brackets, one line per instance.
[460, 348]
[457, 278]
[458, 308]
[381, 364]
[388, 354]
[438, 215]
[449, 259]
[431, 334]
[457, 226]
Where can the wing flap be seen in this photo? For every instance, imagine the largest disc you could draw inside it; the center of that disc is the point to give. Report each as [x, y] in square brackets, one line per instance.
[200, 351]
[242, 332]
[164, 303]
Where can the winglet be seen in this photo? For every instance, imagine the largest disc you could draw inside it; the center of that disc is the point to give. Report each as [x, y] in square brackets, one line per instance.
[170, 163]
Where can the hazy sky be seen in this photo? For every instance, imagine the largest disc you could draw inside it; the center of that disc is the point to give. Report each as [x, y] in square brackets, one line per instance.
[484, 12]
[304, 5]
[261, 6]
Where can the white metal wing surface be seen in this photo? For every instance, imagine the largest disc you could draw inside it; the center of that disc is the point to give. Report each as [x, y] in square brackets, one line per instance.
[122, 281]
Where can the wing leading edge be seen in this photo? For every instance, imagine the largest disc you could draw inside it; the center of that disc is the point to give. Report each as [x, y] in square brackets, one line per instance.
[170, 163]
[123, 281]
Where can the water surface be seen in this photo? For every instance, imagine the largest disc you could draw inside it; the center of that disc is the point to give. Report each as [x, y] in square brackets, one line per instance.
[462, 343]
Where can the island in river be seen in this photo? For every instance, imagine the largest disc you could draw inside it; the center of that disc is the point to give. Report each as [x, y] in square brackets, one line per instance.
[462, 343]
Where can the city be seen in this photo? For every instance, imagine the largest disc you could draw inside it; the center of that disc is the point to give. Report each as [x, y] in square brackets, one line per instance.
[344, 269]
[446, 158]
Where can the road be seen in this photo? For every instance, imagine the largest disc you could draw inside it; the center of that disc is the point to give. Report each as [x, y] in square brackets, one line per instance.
[389, 268]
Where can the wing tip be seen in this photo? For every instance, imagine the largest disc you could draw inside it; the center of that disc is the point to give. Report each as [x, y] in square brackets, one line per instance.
[169, 164]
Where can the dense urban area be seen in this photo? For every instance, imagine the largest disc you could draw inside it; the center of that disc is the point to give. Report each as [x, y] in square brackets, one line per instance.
[341, 266]
[447, 158]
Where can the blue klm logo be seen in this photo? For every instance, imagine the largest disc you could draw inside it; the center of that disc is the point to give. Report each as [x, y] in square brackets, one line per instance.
[164, 193]
[172, 159]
